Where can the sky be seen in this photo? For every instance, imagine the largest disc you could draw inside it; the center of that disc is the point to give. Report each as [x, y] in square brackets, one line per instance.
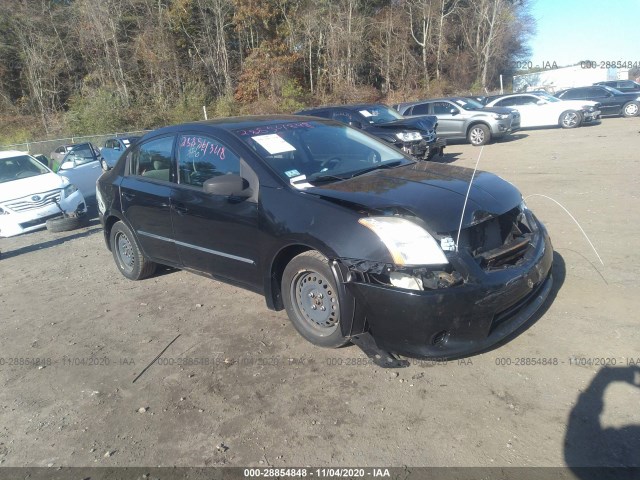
[569, 31]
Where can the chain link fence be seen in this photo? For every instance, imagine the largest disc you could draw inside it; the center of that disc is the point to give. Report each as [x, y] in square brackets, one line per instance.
[45, 147]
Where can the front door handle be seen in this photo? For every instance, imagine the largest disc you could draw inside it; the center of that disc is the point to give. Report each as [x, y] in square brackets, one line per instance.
[179, 208]
[129, 196]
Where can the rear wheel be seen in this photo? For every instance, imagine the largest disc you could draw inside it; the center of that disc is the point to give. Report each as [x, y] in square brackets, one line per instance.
[570, 119]
[479, 135]
[631, 109]
[130, 260]
[311, 299]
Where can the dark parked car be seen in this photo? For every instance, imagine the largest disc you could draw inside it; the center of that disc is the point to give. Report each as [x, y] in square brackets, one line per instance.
[416, 136]
[113, 148]
[465, 118]
[354, 238]
[612, 101]
[622, 85]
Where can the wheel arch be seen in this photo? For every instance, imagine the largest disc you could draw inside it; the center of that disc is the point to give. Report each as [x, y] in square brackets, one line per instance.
[473, 123]
[273, 291]
[109, 222]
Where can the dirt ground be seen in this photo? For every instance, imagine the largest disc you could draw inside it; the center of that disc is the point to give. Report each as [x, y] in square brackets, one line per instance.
[239, 387]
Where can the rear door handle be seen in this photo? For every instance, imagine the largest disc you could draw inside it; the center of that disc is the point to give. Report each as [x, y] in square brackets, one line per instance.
[179, 208]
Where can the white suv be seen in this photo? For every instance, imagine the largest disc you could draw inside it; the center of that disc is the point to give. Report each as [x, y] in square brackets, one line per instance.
[29, 192]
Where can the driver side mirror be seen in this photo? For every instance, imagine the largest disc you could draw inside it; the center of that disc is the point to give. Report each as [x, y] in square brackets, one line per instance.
[454, 111]
[231, 185]
[541, 102]
[355, 124]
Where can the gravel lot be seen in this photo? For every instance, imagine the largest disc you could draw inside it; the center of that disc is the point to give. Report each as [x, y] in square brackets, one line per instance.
[239, 387]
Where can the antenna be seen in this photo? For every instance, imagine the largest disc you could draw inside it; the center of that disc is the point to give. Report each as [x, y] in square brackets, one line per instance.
[466, 198]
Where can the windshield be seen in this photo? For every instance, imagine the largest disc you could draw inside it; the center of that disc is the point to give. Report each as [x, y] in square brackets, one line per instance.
[468, 104]
[303, 153]
[547, 97]
[379, 114]
[24, 166]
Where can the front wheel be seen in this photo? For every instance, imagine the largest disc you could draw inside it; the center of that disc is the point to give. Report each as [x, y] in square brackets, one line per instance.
[631, 109]
[570, 119]
[311, 299]
[479, 135]
[129, 258]
[103, 164]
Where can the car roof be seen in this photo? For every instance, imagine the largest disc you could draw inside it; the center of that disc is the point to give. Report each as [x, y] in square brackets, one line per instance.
[236, 123]
[12, 153]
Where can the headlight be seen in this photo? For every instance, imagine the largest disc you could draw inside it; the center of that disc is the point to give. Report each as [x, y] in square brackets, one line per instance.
[69, 190]
[589, 108]
[407, 242]
[500, 116]
[409, 136]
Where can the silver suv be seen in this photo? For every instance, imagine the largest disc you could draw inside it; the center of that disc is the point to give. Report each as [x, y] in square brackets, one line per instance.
[465, 118]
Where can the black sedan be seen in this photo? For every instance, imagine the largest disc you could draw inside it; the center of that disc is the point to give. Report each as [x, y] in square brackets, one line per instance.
[612, 101]
[351, 236]
[416, 136]
[622, 85]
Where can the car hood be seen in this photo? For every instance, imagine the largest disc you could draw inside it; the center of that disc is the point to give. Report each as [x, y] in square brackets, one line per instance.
[578, 103]
[422, 122]
[30, 186]
[432, 192]
[501, 110]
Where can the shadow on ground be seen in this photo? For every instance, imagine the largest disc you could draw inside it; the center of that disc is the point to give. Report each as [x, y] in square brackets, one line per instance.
[596, 453]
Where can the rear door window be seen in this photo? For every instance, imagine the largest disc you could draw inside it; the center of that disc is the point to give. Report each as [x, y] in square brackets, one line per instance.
[420, 109]
[152, 159]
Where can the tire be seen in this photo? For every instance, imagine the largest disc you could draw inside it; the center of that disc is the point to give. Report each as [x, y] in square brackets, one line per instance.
[631, 109]
[127, 254]
[478, 135]
[570, 119]
[64, 224]
[307, 282]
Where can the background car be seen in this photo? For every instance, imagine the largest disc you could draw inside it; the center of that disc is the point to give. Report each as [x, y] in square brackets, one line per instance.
[612, 101]
[113, 148]
[28, 194]
[58, 154]
[81, 166]
[348, 234]
[465, 118]
[539, 109]
[417, 136]
[621, 85]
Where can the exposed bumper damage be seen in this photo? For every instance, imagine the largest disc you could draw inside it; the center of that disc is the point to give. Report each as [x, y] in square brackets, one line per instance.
[498, 279]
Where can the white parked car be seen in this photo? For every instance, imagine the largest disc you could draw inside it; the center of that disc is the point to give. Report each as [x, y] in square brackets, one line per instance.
[28, 194]
[539, 109]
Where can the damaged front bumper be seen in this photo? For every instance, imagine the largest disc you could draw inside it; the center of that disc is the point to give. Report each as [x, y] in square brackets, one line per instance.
[462, 319]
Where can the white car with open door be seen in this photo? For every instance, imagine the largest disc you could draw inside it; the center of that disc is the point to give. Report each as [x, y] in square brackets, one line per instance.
[539, 109]
[31, 194]
[81, 165]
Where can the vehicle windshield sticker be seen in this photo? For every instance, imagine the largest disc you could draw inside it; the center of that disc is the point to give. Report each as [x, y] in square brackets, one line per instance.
[292, 173]
[279, 127]
[126, 143]
[299, 182]
[274, 143]
[366, 113]
[461, 103]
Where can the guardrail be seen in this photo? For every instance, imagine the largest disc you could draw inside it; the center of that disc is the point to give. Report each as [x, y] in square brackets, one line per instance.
[45, 147]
